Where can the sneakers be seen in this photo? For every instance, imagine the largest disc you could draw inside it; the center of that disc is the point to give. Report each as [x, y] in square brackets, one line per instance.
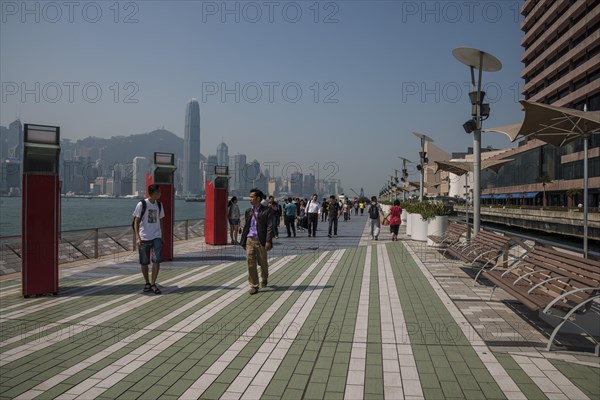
[329, 235]
[263, 284]
[335, 235]
[253, 290]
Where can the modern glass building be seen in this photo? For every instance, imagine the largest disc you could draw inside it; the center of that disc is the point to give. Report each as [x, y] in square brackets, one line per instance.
[562, 67]
[192, 181]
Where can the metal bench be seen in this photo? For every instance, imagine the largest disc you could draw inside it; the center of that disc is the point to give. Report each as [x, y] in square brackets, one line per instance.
[486, 247]
[548, 280]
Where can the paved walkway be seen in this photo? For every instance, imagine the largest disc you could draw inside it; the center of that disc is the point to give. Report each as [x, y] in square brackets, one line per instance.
[345, 317]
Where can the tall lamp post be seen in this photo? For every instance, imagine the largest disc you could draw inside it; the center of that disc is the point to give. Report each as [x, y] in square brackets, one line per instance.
[404, 177]
[482, 61]
[423, 160]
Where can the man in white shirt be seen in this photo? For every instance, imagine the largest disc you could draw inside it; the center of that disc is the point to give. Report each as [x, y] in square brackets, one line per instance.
[313, 208]
[147, 226]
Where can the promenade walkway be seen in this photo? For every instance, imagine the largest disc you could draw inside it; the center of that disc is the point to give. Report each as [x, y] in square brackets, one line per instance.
[345, 317]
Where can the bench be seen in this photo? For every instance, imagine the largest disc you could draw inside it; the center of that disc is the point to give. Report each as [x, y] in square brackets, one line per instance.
[545, 279]
[453, 233]
[486, 247]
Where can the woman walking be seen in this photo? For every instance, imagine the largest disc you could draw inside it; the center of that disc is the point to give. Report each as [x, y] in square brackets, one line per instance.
[233, 214]
[394, 217]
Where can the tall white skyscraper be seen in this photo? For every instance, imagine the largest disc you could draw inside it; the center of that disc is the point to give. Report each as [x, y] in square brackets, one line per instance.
[141, 165]
[222, 155]
[191, 149]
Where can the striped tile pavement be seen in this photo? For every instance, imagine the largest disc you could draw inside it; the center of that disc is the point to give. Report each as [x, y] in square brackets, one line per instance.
[345, 317]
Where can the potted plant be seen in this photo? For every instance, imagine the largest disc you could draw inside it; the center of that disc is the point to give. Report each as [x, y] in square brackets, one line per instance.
[418, 221]
[437, 220]
[404, 215]
[410, 210]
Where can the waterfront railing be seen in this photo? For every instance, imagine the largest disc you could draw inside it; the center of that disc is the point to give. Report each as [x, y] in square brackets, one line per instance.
[86, 244]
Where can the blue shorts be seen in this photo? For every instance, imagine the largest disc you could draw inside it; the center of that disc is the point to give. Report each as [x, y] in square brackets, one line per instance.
[144, 250]
[234, 221]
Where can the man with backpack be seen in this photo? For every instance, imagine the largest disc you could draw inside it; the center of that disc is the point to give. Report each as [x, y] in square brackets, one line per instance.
[147, 226]
[374, 213]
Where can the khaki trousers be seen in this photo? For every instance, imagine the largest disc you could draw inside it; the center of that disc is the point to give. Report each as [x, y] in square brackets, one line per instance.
[256, 254]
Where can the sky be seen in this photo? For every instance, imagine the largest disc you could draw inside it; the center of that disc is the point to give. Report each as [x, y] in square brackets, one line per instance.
[334, 88]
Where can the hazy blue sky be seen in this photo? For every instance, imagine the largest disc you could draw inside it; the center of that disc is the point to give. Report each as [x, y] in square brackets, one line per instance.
[370, 72]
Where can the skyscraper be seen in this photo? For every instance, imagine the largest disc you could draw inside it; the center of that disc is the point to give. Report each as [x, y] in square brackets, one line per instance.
[191, 149]
[237, 166]
[141, 165]
[222, 155]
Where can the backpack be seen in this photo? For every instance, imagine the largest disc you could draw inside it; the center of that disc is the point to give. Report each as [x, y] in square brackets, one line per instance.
[374, 211]
[144, 211]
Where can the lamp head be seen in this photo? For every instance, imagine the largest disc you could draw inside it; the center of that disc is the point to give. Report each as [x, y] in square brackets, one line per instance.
[469, 126]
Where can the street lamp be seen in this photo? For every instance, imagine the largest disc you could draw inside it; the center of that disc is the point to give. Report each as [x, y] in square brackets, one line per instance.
[404, 177]
[477, 59]
[423, 160]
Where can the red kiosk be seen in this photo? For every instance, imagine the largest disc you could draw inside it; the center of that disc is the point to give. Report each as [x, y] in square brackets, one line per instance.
[215, 218]
[40, 210]
[164, 171]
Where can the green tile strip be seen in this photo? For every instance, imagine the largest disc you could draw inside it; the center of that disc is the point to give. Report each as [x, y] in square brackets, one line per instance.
[80, 347]
[528, 386]
[264, 328]
[374, 372]
[320, 360]
[447, 363]
[587, 379]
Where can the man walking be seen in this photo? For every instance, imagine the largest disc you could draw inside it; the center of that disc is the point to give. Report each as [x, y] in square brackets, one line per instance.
[147, 226]
[334, 214]
[290, 217]
[257, 239]
[312, 210]
[374, 213]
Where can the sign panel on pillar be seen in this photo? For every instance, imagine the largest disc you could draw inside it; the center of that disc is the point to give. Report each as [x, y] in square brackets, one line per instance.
[215, 219]
[40, 217]
[164, 177]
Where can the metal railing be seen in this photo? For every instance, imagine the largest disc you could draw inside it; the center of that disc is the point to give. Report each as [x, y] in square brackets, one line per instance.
[82, 244]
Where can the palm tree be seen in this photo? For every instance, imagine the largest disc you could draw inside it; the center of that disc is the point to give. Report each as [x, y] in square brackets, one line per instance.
[544, 180]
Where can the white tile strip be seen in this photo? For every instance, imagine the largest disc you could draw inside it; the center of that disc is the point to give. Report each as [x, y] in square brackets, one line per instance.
[355, 384]
[139, 300]
[11, 287]
[255, 377]
[400, 375]
[549, 379]
[365, 238]
[51, 382]
[504, 381]
[28, 306]
[46, 328]
[167, 338]
[8, 290]
[212, 373]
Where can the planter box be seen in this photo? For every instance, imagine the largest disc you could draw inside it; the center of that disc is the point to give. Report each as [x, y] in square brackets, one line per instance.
[436, 226]
[403, 217]
[418, 228]
[408, 224]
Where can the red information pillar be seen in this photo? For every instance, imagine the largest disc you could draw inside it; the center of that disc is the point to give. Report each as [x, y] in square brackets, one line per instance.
[164, 176]
[215, 219]
[40, 216]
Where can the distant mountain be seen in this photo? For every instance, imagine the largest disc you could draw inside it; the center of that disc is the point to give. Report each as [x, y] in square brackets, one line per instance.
[122, 149]
[117, 149]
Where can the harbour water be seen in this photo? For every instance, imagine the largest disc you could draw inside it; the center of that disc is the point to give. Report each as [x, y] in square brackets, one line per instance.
[83, 213]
